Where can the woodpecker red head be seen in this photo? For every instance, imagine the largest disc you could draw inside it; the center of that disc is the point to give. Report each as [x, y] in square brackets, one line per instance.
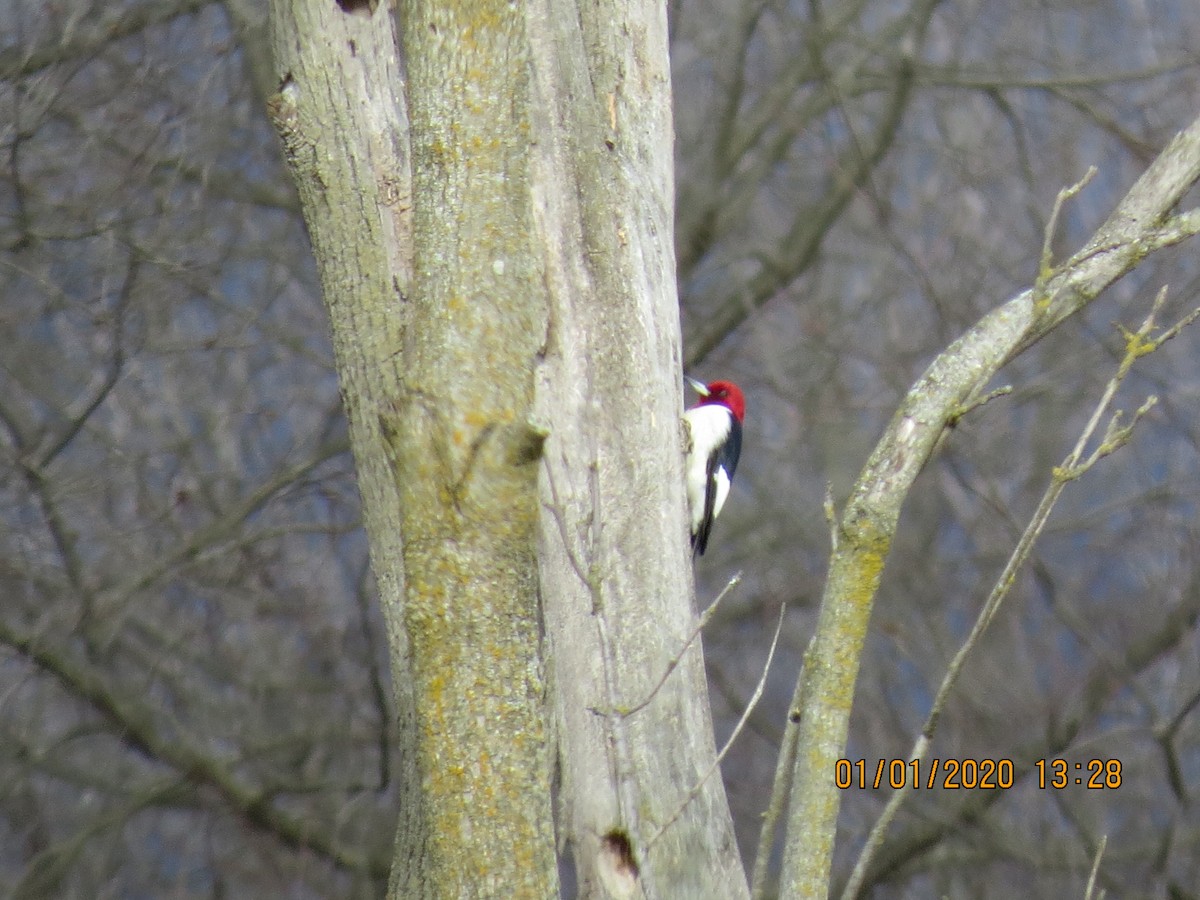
[715, 430]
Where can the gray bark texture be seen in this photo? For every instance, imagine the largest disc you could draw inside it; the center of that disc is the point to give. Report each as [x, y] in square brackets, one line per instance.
[340, 114]
[435, 349]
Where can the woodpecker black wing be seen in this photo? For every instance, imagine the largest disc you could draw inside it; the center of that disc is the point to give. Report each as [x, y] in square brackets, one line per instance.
[700, 538]
[732, 448]
[722, 463]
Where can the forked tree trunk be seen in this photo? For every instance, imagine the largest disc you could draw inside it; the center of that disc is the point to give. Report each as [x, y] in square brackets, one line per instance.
[512, 317]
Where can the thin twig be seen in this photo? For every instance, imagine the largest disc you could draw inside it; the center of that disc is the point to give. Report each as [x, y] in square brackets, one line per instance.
[737, 730]
[1091, 884]
[973, 405]
[1046, 266]
[705, 618]
[781, 789]
[620, 757]
[586, 577]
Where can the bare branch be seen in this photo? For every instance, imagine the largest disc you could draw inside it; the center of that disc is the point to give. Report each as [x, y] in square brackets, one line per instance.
[1073, 466]
[18, 61]
[705, 618]
[1046, 269]
[1091, 884]
[213, 535]
[781, 787]
[737, 730]
[972, 405]
[134, 722]
[869, 519]
[797, 249]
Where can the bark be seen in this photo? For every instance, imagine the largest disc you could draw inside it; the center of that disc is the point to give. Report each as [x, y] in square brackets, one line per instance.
[436, 405]
[468, 455]
[616, 585]
[1142, 223]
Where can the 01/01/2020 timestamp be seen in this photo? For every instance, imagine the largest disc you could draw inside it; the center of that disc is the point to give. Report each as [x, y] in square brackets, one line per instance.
[947, 774]
[972, 774]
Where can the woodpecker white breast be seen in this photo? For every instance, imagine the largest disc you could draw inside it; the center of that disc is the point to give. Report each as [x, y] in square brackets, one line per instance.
[715, 431]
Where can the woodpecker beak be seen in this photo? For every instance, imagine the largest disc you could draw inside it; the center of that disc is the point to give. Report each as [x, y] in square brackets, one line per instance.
[698, 386]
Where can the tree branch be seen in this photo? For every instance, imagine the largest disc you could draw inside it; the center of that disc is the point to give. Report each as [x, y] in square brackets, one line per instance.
[1075, 465]
[1141, 223]
[134, 723]
[18, 61]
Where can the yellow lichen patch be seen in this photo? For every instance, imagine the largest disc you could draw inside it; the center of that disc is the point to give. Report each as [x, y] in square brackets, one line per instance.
[871, 560]
[1137, 345]
[867, 548]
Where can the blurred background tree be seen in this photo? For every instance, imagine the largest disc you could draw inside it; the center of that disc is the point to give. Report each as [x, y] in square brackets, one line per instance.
[194, 694]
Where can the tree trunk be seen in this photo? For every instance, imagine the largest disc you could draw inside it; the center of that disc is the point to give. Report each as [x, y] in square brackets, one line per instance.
[436, 366]
[540, 261]
[468, 461]
[616, 584]
[341, 118]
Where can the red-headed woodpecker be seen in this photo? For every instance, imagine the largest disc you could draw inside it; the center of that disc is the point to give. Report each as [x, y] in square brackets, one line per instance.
[715, 433]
